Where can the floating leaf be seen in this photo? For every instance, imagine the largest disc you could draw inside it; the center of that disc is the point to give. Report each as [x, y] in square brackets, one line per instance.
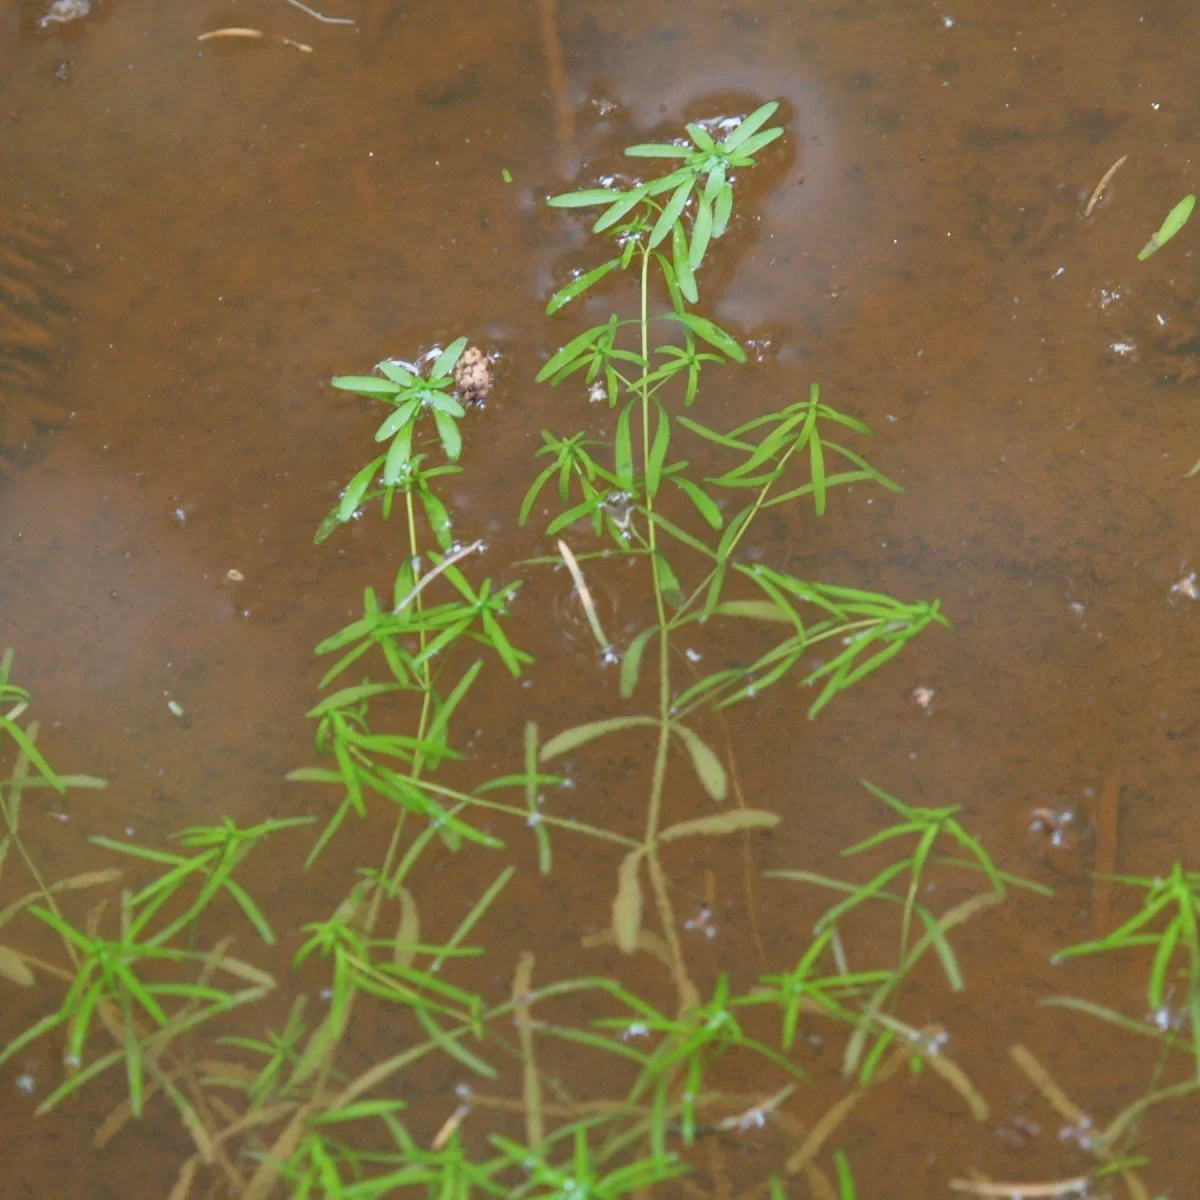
[1176, 220]
[705, 761]
[627, 905]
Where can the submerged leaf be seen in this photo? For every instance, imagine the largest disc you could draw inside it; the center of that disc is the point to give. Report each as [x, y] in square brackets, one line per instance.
[627, 905]
[721, 823]
[579, 735]
[705, 761]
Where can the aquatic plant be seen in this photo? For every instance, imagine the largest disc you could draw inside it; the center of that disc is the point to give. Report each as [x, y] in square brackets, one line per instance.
[149, 985]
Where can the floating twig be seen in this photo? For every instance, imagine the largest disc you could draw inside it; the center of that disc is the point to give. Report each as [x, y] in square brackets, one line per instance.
[585, 597]
[475, 547]
[1103, 184]
[240, 31]
[1061, 1187]
[312, 12]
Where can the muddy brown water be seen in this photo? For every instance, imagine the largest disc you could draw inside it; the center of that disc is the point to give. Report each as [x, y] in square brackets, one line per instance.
[235, 222]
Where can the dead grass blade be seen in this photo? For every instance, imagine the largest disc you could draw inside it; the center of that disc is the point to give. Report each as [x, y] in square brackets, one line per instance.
[13, 968]
[1102, 186]
[73, 884]
[818, 1183]
[1020, 1191]
[585, 596]
[183, 1181]
[924, 1042]
[824, 1128]
[648, 942]
[1050, 1091]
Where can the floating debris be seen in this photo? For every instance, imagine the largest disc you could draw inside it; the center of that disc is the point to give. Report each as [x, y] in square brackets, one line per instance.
[240, 31]
[474, 375]
[1102, 186]
[1186, 587]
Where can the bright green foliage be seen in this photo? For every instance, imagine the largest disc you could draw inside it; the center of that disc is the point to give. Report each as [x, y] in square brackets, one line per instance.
[1166, 922]
[412, 397]
[308, 1115]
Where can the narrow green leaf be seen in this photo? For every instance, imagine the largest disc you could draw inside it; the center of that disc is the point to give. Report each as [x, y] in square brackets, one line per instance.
[671, 212]
[578, 286]
[627, 904]
[398, 455]
[448, 359]
[816, 459]
[620, 208]
[438, 518]
[569, 352]
[1176, 219]
[580, 735]
[453, 1046]
[683, 270]
[631, 662]
[365, 385]
[1161, 964]
[700, 499]
[397, 419]
[623, 448]
[722, 823]
[722, 209]
[701, 233]
[753, 145]
[587, 198]
[713, 334]
[705, 762]
[750, 124]
[658, 150]
[447, 428]
[356, 489]
[658, 450]
[701, 137]
[667, 581]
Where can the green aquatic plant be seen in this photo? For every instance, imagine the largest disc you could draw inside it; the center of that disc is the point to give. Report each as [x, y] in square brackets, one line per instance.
[411, 397]
[1167, 922]
[1176, 219]
[588, 1084]
[421, 658]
